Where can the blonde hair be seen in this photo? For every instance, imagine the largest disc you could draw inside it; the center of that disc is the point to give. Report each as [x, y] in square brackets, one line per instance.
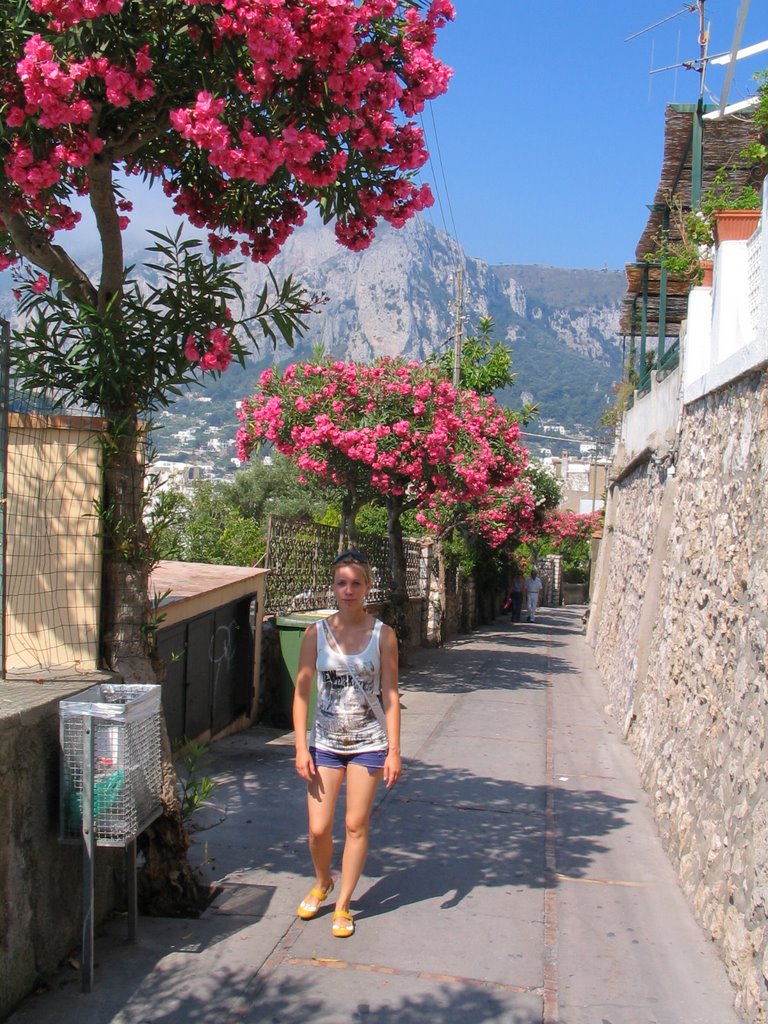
[353, 559]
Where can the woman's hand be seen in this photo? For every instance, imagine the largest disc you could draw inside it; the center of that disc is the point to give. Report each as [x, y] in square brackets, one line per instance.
[393, 768]
[305, 766]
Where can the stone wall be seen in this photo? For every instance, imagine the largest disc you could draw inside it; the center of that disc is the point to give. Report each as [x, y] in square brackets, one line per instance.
[631, 525]
[40, 879]
[680, 627]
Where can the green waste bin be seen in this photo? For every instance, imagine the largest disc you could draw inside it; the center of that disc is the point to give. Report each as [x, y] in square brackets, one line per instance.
[291, 631]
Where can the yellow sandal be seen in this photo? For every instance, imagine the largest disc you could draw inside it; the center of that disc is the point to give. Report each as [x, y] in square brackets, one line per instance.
[306, 911]
[343, 924]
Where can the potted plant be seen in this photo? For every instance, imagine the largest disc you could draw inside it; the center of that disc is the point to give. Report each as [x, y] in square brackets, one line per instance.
[684, 248]
[734, 210]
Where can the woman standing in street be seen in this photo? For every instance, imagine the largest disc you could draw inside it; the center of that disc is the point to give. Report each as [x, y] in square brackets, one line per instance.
[355, 735]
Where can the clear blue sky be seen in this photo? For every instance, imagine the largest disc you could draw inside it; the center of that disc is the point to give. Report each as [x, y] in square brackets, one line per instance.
[551, 134]
[547, 146]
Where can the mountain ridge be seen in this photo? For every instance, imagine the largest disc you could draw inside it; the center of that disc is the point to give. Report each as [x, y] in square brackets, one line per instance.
[398, 298]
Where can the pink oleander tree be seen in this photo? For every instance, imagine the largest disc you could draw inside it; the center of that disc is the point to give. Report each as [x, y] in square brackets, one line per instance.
[527, 512]
[560, 525]
[394, 429]
[560, 531]
[509, 513]
[504, 515]
[243, 114]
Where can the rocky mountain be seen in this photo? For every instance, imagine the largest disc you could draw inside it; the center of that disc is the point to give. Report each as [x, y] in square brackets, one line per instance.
[399, 297]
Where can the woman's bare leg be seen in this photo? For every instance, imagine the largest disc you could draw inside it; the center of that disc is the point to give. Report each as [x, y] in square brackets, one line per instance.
[361, 789]
[322, 794]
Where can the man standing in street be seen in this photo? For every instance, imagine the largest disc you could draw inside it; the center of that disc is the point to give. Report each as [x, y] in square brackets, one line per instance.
[533, 587]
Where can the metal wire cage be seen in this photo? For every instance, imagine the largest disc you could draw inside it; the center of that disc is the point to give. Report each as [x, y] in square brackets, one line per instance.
[119, 725]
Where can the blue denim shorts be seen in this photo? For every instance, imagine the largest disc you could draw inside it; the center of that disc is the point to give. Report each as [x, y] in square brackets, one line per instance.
[373, 760]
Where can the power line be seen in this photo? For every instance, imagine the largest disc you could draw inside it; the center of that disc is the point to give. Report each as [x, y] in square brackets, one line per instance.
[565, 437]
[442, 171]
[433, 173]
[440, 189]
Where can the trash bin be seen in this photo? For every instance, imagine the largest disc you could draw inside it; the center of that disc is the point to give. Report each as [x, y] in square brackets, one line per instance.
[291, 630]
[125, 740]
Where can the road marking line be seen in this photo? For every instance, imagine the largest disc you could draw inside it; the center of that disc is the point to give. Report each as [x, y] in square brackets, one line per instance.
[551, 1014]
[399, 972]
[604, 881]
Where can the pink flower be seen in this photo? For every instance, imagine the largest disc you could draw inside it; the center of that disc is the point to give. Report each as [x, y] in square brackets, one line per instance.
[190, 349]
[14, 117]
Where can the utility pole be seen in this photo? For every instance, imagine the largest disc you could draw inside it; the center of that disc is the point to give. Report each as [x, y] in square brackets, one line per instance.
[459, 329]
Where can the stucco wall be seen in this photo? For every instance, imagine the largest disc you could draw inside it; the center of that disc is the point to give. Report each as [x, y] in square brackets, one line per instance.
[53, 561]
[680, 627]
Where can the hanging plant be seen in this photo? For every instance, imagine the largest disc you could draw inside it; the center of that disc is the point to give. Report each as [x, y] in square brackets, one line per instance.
[681, 247]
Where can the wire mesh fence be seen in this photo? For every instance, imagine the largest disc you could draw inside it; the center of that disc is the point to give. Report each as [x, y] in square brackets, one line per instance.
[5, 356]
[51, 547]
[756, 247]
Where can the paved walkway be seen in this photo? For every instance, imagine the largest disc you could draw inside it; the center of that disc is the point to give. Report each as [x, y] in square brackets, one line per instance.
[515, 874]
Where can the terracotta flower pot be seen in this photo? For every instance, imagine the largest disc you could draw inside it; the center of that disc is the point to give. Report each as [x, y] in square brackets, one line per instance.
[707, 267]
[735, 225]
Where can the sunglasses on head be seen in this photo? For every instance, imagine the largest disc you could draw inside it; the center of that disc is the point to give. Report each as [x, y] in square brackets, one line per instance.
[351, 556]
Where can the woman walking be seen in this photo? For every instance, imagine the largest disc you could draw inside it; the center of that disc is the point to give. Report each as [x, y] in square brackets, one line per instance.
[355, 735]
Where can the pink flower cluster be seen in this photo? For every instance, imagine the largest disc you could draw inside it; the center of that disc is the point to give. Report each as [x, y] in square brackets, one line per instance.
[560, 525]
[53, 96]
[504, 515]
[212, 354]
[334, 54]
[254, 157]
[400, 424]
[303, 99]
[64, 13]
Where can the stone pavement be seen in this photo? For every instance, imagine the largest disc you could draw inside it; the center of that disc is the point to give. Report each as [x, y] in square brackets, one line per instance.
[515, 874]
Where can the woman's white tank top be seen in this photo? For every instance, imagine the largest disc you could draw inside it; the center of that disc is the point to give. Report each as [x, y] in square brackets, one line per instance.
[344, 721]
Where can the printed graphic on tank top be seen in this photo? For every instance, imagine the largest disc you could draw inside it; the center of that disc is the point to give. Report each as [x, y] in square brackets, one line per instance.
[344, 721]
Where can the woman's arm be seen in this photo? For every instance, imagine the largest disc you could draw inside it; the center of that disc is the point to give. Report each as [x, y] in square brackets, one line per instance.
[305, 766]
[390, 699]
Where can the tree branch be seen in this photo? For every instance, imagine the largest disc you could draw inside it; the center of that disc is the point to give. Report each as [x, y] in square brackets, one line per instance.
[34, 245]
[151, 124]
[102, 195]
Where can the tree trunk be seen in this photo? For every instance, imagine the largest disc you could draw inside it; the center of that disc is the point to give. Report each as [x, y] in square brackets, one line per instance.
[442, 591]
[166, 883]
[345, 529]
[350, 506]
[127, 556]
[397, 572]
[167, 886]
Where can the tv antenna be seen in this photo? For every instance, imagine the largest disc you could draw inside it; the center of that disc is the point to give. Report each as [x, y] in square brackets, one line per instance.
[688, 9]
[700, 63]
